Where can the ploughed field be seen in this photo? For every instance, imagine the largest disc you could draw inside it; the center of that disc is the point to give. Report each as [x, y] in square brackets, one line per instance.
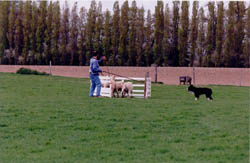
[52, 119]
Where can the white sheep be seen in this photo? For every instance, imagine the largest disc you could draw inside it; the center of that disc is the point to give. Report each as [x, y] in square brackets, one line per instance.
[116, 86]
[127, 88]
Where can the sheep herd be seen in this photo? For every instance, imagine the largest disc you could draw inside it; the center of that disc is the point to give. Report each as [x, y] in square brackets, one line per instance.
[119, 87]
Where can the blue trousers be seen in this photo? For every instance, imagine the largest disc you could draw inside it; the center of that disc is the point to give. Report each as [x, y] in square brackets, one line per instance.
[95, 82]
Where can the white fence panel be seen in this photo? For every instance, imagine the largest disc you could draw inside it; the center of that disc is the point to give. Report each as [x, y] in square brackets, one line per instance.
[138, 93]
[138, 85]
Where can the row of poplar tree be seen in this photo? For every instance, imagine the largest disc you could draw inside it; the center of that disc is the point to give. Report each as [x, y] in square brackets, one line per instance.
[37, 32]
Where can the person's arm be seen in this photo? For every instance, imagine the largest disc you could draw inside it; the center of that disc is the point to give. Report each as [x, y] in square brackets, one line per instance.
[95, 67]
[100, 60]
[103, 58]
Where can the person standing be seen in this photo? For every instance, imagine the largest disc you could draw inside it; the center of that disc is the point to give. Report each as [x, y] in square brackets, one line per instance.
[94, 75]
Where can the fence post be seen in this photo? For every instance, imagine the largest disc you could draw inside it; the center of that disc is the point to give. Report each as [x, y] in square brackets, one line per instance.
[50, 68]
[145, 85]
[110, 86]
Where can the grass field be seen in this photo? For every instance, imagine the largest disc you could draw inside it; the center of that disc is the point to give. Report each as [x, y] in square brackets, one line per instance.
[52, 119]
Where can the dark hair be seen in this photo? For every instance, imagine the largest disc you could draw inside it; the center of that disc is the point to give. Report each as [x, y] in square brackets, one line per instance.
[94, 53]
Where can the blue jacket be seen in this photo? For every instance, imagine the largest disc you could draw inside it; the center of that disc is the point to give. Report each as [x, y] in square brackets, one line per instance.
[94, 66]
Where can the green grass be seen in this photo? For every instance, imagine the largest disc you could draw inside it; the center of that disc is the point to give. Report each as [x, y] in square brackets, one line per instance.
[52, 119]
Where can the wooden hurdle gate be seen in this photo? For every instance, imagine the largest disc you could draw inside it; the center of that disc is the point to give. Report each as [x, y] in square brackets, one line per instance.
[140, 90]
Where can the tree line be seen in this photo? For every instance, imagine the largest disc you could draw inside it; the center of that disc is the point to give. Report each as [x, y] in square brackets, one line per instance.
[37, 32]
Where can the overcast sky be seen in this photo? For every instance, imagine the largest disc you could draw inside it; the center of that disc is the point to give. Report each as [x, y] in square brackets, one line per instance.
[147, 4]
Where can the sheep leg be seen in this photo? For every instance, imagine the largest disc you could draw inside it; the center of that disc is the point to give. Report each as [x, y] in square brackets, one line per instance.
[122, 92]
[117, 94]
[129, 93]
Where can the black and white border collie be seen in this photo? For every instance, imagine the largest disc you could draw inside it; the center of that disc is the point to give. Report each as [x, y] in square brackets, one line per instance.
[200, 91]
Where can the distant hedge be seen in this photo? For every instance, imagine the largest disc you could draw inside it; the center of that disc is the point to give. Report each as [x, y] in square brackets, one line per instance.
[30, 72]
